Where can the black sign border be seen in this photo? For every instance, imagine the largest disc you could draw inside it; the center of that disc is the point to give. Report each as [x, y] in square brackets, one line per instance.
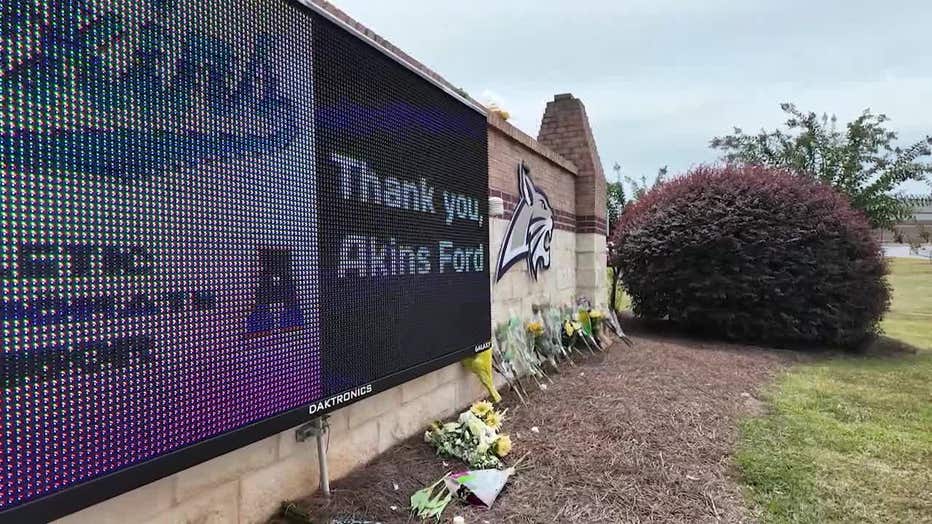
[86, 494]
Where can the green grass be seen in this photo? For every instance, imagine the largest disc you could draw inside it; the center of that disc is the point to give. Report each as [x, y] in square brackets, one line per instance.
[622, 300]
[849, 439]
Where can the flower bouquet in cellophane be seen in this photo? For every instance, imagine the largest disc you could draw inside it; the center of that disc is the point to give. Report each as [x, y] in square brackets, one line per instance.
[474, 438]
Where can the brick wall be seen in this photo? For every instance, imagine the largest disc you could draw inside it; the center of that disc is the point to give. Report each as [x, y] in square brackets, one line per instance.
[517, 291]
[247, 485]
[565, 129]
[508, 146]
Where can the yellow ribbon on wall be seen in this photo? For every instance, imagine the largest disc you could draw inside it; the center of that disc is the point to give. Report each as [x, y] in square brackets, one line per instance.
[481, 365]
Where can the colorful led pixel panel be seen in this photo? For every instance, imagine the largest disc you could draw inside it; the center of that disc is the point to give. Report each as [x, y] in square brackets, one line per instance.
[219, 218]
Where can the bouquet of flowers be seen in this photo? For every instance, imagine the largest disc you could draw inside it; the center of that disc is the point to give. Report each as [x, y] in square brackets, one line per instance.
[541, 341]
[537, 344]
[536, 330]
[515, 355]
[587, 328]
[552, 339]
[599, 330]
[516, 350]
[473, 438]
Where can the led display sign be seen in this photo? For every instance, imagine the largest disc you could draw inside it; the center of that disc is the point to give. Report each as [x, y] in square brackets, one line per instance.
[220, 219]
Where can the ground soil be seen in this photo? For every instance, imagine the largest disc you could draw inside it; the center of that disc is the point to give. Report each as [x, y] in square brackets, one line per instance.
[640, 434]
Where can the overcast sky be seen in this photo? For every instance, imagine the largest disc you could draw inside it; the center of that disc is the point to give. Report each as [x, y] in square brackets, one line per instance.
[661, 77]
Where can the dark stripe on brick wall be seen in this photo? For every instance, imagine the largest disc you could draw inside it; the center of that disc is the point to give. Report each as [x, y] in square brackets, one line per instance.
[591, 224]
[561, 219]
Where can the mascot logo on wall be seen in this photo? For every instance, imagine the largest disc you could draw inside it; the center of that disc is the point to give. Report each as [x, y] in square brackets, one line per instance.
[530, 230]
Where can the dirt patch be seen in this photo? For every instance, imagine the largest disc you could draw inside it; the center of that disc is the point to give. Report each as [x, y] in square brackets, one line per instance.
[637, 434]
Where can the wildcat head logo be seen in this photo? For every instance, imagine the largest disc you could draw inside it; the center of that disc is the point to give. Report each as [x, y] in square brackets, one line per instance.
[530, 230]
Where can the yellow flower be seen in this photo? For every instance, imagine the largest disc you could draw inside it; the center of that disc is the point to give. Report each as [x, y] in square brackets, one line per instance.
[481, 408]
[493, 419]
[535, 328]
[494, 108]
[595, 313]
[502, 446]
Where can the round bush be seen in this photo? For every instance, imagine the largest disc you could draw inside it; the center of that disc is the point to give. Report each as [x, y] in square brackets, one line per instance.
[754, 254]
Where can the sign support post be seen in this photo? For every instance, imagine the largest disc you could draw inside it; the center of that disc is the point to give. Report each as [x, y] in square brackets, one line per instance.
[318, 428]
[322, 427]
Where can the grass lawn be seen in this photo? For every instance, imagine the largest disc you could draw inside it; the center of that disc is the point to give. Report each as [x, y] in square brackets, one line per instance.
[849, 439]
[622, 301]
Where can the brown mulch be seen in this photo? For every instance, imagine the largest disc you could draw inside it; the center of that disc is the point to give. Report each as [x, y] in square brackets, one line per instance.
[633, 435]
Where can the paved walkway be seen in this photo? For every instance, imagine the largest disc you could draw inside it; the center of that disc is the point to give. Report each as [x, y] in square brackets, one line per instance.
[904, 251]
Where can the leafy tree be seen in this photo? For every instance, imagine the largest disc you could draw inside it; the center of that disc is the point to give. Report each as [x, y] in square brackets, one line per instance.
[616, 194]
[640, 187]
[615, 200]
[860, 160]
[616, 204]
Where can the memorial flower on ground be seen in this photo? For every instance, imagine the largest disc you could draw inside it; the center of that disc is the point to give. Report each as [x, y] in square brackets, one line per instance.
[597, 317]
[473, 438]
[502, 446]
[535, 329]
[482, 408]
[494, 419]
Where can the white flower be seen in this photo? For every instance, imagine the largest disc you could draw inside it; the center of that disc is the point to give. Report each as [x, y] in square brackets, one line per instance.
[475, 424]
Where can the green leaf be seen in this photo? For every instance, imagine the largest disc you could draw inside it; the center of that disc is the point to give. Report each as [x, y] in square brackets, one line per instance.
[859, 159]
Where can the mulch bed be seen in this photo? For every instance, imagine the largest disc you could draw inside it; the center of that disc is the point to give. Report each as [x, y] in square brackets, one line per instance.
[635, 434]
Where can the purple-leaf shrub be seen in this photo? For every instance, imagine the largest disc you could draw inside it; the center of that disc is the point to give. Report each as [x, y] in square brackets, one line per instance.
[753, 254]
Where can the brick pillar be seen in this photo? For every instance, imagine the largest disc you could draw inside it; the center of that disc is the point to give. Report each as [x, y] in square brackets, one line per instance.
[565, 129]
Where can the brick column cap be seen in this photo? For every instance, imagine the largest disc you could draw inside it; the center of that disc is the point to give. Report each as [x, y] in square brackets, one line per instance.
[565, 129]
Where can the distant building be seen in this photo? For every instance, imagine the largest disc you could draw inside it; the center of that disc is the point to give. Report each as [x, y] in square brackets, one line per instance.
[922, 217]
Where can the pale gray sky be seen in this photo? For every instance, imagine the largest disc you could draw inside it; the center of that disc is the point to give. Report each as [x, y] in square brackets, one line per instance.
[661, 77]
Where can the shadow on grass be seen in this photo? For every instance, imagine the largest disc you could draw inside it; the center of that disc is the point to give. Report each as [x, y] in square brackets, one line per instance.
[881, 346]
[884, 346]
